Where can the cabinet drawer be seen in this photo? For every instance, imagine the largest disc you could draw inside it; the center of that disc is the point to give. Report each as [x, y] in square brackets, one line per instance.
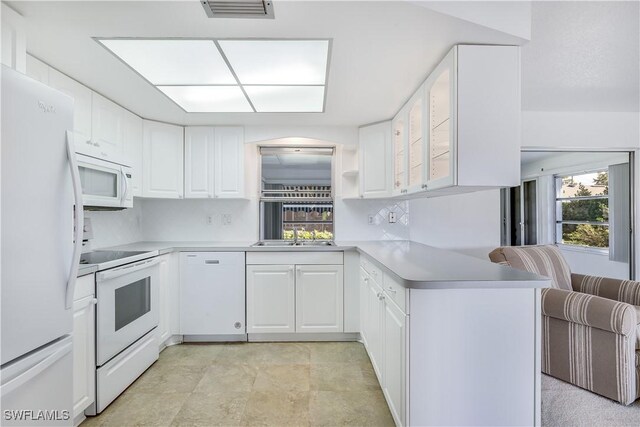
[374, 271]
[293, 257]
[396, 292]
[85, 286]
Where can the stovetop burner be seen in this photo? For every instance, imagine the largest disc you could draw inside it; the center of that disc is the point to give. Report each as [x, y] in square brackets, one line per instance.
[99, 257]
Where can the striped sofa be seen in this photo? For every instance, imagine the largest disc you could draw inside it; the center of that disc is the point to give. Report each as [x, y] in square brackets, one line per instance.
[590, 331]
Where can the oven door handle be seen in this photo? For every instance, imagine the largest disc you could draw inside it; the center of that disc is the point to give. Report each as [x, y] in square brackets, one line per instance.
[126, 269]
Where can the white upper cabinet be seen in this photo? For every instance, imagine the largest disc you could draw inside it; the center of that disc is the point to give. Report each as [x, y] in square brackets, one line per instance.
[107, 128]
[416, 142]
[229, 162]
[459, 132]
[214, 162]
[400, 134]
[375, 151]
[440, 89]
[37, 70]
[162, 160]
[198, 161]
[132, 140]
[14, 39]
[81, 110]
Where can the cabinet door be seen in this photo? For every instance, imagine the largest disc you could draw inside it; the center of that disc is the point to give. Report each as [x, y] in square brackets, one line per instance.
[14, 39]
[37, 70]
[84, 356]
[394, 341]
[399, 140]
[162, 163]
[441, 92]
[270, 298]
[107, 128]
[416, 142]
[364, 304]
[229, 162]
[375, 160]
[374, 318]
[163, 331]
[198, 162]
[132, 140]
[81, 110]
[319, 298]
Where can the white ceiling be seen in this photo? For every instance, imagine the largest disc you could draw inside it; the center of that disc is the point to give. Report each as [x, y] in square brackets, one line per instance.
[381, 51]
[583, 56]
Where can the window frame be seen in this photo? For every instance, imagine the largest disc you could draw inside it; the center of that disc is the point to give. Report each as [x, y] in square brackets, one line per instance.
[557, 200]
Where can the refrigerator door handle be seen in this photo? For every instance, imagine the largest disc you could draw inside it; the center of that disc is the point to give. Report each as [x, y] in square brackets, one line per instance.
[37, 369]
[78, 220]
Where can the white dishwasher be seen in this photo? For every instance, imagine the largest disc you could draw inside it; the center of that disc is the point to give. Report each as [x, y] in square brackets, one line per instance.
[212, 296]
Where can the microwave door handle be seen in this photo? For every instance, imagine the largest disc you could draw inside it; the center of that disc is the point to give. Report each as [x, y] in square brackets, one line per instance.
[126, 185]
[78, 220]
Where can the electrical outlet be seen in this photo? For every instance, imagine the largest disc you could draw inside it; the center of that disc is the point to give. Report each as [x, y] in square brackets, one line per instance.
[392, 217]
[209, 219]
[370, 219]
[226, 219]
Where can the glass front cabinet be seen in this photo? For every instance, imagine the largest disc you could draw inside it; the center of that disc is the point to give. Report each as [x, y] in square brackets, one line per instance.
[441, 94]
[399, 150]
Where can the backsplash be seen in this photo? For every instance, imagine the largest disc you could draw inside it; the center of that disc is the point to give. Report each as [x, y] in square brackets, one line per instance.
[234, 220]
[112, 228]
[200, 219]
[352, 220]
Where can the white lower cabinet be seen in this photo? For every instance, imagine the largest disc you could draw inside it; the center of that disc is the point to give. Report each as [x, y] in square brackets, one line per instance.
[270, 299]
[303, 296]
[393, 358]
[84, 345]
[163, 331]
[384, 332]
[319, 298]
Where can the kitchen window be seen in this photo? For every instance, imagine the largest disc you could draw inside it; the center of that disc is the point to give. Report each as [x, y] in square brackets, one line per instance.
[582, 209]
[296, 200]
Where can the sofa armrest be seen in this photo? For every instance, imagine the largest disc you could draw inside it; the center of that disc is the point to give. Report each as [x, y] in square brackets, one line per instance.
[590, 310]
[614, 289]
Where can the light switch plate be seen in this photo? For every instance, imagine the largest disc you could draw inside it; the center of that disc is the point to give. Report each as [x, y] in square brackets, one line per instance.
[392, 217]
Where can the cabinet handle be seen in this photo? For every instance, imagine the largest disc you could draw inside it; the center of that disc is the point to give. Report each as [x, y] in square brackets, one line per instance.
[94, 301]
[212, 261]
[366, 280]
[390, 289]
[381, 296]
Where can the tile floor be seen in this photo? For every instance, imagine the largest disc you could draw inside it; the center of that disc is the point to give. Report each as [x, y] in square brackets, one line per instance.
[279, 384]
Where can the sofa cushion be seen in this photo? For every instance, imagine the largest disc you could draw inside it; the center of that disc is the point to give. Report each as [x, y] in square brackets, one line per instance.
[544, 260]
[637, 328]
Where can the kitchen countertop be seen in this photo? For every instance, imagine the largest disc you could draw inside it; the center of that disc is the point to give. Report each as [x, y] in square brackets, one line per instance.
[414, 265]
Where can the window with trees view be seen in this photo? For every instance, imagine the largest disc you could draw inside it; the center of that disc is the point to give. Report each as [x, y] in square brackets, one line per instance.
[582, 209]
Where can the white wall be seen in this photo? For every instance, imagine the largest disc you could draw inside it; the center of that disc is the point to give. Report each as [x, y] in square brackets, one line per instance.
[469, 223]
[595, 264]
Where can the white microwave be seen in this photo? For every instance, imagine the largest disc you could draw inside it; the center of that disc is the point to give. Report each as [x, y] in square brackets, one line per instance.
[105, 185]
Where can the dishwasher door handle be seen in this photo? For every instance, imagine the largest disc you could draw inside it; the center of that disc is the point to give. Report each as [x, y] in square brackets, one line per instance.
[212, 261]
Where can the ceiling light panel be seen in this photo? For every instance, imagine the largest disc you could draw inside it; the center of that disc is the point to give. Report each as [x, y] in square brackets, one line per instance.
[286, 99]
[173, 62]
[270, 62]
[208, 99]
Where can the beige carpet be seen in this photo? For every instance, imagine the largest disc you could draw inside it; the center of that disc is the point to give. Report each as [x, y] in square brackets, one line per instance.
[566, 405]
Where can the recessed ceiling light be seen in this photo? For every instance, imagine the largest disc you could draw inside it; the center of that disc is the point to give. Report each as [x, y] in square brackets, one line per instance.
[173, 62]
[286, 99]
[208, 99]
[288, 62]
[217, 76]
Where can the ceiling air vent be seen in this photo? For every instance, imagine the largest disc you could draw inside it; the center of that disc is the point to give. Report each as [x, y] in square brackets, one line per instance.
[238, 8]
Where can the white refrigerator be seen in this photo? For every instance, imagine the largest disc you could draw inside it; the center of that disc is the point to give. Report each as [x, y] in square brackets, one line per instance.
[40, 249]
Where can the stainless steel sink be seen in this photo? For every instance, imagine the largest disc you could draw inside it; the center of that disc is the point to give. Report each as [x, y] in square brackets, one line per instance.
[290, 243]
